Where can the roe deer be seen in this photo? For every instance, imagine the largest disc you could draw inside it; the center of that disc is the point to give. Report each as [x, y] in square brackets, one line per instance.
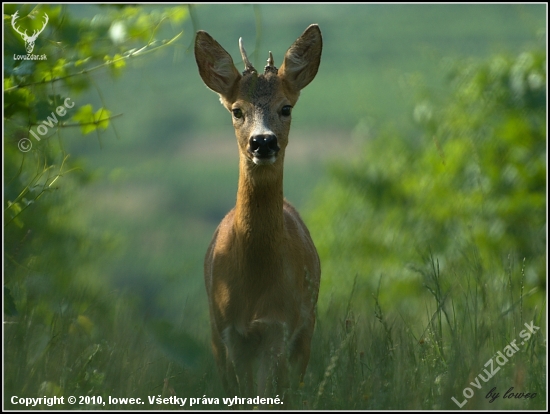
[261, 270]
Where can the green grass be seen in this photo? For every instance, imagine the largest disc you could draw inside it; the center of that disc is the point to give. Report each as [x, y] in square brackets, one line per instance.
[363, 357]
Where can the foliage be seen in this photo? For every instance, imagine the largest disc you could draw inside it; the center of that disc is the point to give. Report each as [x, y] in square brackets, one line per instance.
[445, 231]
[55, 312]
[470, 188]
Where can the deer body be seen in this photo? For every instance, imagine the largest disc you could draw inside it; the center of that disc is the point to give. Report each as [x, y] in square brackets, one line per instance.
[261, 269]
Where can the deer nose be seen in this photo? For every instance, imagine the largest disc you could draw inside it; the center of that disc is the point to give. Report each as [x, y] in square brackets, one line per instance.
[263, 146]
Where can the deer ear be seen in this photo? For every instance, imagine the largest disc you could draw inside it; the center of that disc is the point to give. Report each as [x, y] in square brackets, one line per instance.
[302, 59]
[216, 66]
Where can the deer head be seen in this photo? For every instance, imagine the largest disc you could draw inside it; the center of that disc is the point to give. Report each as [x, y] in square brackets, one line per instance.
[29, 40]
[261, 104]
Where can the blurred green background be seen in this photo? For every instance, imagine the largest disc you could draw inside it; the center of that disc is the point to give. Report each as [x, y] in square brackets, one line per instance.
[419, 150]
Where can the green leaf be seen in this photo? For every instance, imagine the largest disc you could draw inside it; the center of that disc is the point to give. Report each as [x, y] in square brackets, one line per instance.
[178, 14]
[85, 116]
[101, 118]
[118, 61]
[89, 121]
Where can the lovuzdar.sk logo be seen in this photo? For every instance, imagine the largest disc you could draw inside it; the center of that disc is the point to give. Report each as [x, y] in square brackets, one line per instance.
[29, 39]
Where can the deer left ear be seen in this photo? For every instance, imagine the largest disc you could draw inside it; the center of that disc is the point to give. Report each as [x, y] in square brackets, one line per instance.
[216, 66]
[302, 59]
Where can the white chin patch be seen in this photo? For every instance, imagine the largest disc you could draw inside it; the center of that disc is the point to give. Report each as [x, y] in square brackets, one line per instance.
[263, 161]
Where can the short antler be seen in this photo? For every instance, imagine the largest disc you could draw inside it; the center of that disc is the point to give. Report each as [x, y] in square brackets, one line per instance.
[248, 68]
[270, 65]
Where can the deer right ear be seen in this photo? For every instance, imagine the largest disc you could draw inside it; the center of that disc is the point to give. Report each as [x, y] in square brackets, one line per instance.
[302, 60]
[216, 66]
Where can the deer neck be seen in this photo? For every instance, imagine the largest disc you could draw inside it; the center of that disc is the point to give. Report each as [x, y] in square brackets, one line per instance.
[259, 216]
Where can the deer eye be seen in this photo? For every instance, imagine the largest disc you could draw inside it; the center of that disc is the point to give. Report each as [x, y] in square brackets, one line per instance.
[287, 109]
[237, 113]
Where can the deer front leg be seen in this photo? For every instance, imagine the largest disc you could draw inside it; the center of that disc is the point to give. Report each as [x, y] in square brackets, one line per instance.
[225, 367]
[273, 374]
[273, 367]
[241, 353]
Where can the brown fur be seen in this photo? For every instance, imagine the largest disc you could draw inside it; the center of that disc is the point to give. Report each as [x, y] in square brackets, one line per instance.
[261, 270]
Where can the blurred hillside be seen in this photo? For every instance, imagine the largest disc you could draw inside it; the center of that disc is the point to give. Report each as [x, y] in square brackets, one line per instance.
[369, 54]
[170, 176]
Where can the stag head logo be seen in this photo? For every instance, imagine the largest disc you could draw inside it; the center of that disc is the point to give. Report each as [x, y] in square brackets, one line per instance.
[29, 40]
